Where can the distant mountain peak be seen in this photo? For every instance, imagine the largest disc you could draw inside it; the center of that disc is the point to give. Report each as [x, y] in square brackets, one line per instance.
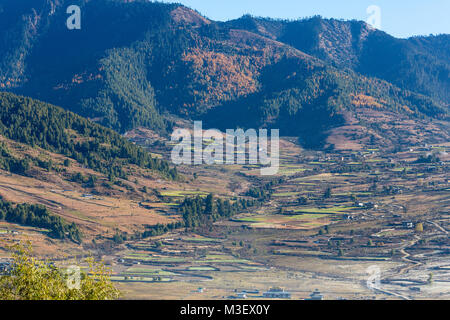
[184, 15]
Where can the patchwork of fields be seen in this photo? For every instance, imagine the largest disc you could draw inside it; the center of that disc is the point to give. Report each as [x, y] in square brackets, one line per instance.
[325, 219]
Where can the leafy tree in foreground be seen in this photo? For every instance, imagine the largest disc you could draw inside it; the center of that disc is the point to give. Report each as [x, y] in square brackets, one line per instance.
[33, 279]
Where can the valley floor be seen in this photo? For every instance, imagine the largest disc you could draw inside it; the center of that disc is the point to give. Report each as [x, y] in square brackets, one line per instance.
[332, 221]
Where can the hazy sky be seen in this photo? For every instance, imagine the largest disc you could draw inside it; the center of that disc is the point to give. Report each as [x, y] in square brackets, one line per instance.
[401, 18]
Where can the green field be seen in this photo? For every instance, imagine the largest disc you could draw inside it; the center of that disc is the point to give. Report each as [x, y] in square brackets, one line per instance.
[139, 279]
[203, 239]
[156, 259]
[286, 194]
[333, 210]
[182, 193]
[201, 269]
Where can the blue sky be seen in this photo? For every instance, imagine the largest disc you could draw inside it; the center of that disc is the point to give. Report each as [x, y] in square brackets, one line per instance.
[401, 18]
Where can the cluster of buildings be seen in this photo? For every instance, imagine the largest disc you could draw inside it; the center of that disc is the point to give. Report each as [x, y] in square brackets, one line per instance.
[274, 293]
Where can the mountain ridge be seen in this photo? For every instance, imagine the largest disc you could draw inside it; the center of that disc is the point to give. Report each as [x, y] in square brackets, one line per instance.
[349, 44]
[160, 59]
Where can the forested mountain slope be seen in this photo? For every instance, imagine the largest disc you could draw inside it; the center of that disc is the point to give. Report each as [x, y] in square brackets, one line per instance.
[419, 64]
[133, 63]
[51, 128]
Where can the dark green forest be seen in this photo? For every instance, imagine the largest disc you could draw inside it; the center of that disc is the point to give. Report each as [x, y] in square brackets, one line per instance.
[42, 125]
[201, 211]
[34, 215]
[197, 212]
